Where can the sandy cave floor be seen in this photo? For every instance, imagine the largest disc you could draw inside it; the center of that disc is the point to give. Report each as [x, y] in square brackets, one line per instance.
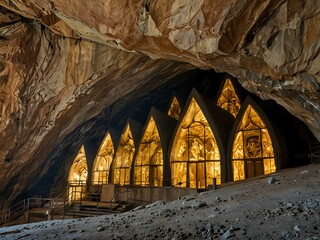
[288, 208]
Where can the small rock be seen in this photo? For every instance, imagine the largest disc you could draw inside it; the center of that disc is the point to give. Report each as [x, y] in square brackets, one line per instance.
[157, 203]
[100, 229]
[297, 228]
[271, 180]
[227, 234]
[138, 208]
[197, 205]
[165, 212]
[305, 172]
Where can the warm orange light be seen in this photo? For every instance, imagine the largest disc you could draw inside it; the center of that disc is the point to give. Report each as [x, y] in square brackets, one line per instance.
[252, 151]
[149, 160]
[123, 158]
[174, 110]
[228, 99]
[195, 156]
[102, 162]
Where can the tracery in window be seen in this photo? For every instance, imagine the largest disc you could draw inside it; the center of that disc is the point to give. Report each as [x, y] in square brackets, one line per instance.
[252, 151]
[228, 99]
[195, 156]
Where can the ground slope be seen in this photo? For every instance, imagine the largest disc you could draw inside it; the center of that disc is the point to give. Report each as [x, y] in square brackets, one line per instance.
[285, 205]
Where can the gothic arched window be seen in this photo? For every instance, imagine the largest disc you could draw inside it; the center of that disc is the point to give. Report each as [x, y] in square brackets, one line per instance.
[228, 99]
[123, 158]
[252, 149]
[195, 156]
[102, 162]
[148, 168]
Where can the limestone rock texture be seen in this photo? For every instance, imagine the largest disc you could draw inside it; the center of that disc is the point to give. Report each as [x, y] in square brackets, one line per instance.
[63, 62]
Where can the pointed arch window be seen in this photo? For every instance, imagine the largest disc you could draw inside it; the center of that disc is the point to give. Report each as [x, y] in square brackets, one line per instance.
[175, 109]
[102, 162]
[252, 151]
[195, 156]
[228, 99]
[149, 160]
[77, 178]
[79, 170]
[123, 158]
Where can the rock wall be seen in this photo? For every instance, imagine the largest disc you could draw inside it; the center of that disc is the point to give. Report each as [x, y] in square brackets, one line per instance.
[62, 63]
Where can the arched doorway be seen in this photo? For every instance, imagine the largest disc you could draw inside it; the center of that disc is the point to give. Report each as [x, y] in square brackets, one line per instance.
[252, 148]
[195, 156]
[102, 162]
[78, 174]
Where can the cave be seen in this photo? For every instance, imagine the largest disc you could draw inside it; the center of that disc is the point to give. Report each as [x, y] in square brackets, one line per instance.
[98, 94]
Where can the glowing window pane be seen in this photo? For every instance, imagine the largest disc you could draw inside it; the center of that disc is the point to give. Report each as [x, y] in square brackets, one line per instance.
[149, 154]
[228, 99]
[123, 158]
[238, 170]
[79, 170]
[195, 144]
[78, 176]
[174, 110]
[103, 161]
[252, 145]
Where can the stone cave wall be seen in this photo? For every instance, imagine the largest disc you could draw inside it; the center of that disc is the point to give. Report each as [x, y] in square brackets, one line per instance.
[62, 64]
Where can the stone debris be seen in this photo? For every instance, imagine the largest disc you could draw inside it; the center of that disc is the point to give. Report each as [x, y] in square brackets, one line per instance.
[100, 229]
[138, 208]
[304, 172]
[198, 204]
[297, 228]
[271, 180]
[157, 203]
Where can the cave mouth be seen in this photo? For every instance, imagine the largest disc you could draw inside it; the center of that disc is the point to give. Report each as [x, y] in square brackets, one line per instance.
[221, 132]
[291, 148]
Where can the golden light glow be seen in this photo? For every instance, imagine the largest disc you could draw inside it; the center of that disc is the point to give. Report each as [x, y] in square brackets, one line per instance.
[78, 176]
[228, 99]
[195, 157]
[252, 151]
[123, 159]
[149, 160]
[101, 165]
[175, 110]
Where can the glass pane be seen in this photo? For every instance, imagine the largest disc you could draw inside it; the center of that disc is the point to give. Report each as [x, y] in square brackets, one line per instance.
[192, 175]
[124, 155]
[252, 146]
[137, 175]
[145, 175]
[238, 170]
[237, 149]
[213, 171]
[179, 174]
[228, 99]
[79, 170]
[103, 159]
[175, 110]
[201, 176]
[266, 144]
[269, 165]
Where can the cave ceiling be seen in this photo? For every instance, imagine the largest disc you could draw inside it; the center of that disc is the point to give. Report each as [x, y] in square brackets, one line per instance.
[63, 62]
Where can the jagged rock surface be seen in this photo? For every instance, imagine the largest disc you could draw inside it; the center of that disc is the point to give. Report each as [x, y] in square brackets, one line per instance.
[62, 63]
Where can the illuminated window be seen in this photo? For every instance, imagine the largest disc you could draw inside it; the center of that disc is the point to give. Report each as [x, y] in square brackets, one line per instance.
[123, 158]
[78, 176]
[149, 160]
[252, 151]
[174, 110]
[103, 161]
[195, 157]
[228, 99]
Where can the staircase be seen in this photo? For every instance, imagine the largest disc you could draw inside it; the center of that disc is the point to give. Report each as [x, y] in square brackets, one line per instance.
[62, 207]
[315, 151]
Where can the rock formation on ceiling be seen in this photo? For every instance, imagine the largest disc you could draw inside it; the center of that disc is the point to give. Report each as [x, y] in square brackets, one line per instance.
[63, 63]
